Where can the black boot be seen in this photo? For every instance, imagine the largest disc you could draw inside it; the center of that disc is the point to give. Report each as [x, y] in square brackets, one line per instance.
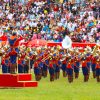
[53, 78]
[94, 74]
[64, 73]
[69, 78]
[84, 78]
[50, 78]
[45, 73]
[56, 75]
[36, 77]
[39, 77]
[98, 79]
[87, 78]
[72, 78]
[75, 75]
[13, 69]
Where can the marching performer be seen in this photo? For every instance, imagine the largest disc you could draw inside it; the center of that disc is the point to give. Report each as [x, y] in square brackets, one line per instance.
[40, 66]
[13, 61]
[1, 53]
[66, 44]
[45, 61]
[29, 60]
[88, 59]
[14, 43]
[54, 64]
[57, 67]
[85, 69]
[36, 70]
[98, 69]
[32, 59]
[27, 64]
[95, 54]
[64, 62]
[70, 71]
[5, 64]
[51, 69]
[77, 67]
[93, 65]
[4, 69]
[20, 65]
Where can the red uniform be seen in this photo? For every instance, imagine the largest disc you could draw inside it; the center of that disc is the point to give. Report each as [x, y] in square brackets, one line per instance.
[69, 66]
[16, 43]
[51, 71]
[56, 62]
[36, 70]
[70, 72]
[88, 58]
[93, 59]
[3, 61]
[51, 65]
[85, 69]
[23, 57]
[97, 65]
[13, 52]
[19, 61]
[98, 71]
[84, 64]
[64, 62]
[35, 64]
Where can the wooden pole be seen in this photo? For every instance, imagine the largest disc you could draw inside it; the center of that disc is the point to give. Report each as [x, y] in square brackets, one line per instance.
[29, 66]
[17, 65]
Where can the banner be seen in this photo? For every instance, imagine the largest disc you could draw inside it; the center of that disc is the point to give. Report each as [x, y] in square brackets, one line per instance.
[73, 44]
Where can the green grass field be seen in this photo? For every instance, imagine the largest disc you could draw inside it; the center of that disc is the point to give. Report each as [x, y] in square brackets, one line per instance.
[57, 90]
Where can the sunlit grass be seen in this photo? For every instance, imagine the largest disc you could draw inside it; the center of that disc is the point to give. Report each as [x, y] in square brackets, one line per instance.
[57, 90]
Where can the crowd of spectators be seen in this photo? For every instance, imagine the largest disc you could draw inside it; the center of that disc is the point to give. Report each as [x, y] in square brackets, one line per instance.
[40, 20]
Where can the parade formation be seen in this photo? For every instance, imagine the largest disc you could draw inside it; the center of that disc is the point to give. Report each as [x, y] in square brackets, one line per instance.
[22, 21]
[43, 60]
[50, 49]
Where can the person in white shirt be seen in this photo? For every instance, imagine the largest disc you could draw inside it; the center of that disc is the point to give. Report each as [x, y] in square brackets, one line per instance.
[33, 23]
[10, 16]
[91, 17]
[63, 19]
[94, 29]
[59, 24]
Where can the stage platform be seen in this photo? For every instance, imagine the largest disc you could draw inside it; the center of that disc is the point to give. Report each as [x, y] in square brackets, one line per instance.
[17, 80]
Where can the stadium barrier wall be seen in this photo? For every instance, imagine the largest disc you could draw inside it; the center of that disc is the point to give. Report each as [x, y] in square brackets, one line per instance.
[73, 44]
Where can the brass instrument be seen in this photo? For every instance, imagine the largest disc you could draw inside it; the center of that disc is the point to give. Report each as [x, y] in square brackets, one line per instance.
[95, 49]
[50, 55]
[63, 58]
[0, 53]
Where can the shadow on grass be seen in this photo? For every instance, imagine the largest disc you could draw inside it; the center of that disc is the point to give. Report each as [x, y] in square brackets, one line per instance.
[11, 88]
